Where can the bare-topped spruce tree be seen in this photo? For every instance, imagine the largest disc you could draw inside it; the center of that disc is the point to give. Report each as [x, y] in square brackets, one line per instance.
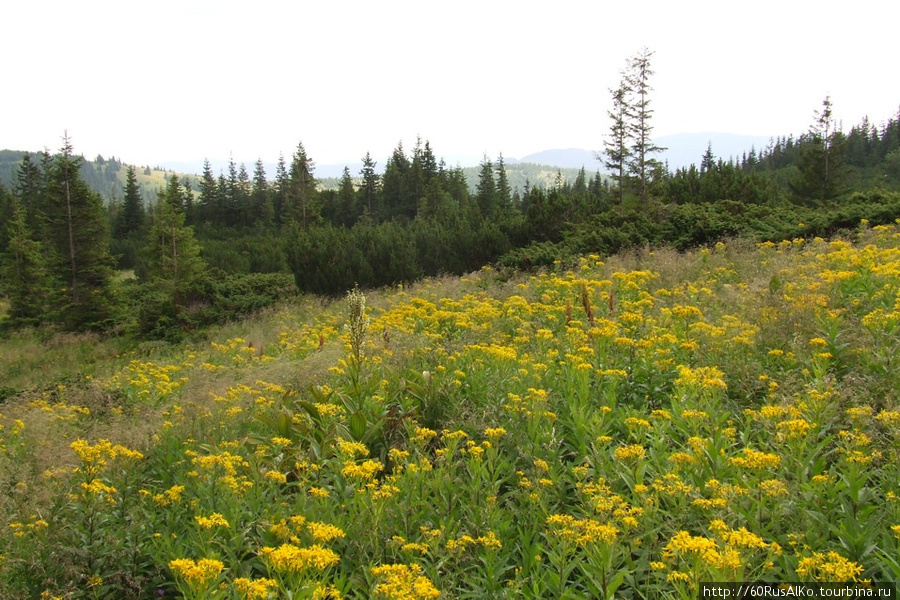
[628, 148]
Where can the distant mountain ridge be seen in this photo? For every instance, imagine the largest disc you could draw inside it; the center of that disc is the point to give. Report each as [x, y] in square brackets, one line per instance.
[682, 150]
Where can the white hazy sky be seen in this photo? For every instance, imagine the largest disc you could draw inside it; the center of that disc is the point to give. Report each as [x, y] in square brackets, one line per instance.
[166, 80]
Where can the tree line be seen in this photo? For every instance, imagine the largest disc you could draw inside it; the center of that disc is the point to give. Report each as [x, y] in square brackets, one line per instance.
[220, 245]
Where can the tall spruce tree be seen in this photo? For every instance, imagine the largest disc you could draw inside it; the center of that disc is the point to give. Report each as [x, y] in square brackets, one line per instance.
[486, 189]
[232, 195]
[504, 192]
[821, 159]
[174, 263]
[207, 212]
[302, 194]
[6, 213]
[346, 211]
[262, 212]
[395, 186]
[641, 164]
[31, 187]
[132, 216]
[280, 193]
[370, 187]
[617, 146]
[25, 275]
[243, 208]
[78, 234]
[188, 201]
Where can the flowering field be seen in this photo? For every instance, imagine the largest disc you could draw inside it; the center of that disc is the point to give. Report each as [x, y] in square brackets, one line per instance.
[626, 428]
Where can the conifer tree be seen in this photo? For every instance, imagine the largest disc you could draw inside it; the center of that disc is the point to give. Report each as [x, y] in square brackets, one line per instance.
[188, 201]
[25, 273]
[417, 180]
[6, 214]
[232, 195]
[369, 189]
[132, 216]
[78, 234]
[504, 193]
[617, 147]
[458, 188]
[206, 204]
[30, 188]
[580, 185]
[820, 163]
[346, 211]
[262, 211]
[173, 193]
[395, 186]
[641, 165]
[302, 196]
[708, 162]
[280, 194]
[173, 256]
[429, 163]
[243, 209]
[486, 189]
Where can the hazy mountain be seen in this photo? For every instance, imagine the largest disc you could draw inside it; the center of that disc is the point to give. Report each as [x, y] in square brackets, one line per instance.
[682, 150]
[538, 168]
[569, 158]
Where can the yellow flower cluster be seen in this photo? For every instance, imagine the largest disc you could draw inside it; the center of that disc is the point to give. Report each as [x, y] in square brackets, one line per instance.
[494, 433]
[226, 461]
[364, 471]
[403, 582]
[255, 589]
[581, 532]
[96, 486]
[683, 545]
[700, 378]
[288, 558]
[754, 459]
[488, 540]
[324, 532]
[829, 566]
[94, 458]
[351, 449]
[197, 573]
[21, 529]
[631, 453]
[213, 520]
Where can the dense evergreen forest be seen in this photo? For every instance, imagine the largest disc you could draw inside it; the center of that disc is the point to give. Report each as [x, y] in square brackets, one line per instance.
[207, 249]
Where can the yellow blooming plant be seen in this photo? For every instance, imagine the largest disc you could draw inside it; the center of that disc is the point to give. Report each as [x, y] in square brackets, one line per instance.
[402, 582]
[299, 568]
[196, 579]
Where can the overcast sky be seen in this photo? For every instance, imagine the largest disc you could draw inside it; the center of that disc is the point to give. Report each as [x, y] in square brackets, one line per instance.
[161, 81]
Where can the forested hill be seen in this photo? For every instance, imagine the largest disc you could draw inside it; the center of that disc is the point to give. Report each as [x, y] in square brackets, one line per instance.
[106, 176]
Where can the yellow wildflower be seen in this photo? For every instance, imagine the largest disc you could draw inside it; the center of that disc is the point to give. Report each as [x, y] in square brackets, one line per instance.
[197, 573]
[403, 582]
[213, 520]
[288, 558]
[324, 532]
[255, 589]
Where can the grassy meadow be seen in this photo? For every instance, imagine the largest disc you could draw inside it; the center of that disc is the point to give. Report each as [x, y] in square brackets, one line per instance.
[620, 428]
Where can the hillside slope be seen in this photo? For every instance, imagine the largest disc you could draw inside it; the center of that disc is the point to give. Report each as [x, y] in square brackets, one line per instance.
[584, 432]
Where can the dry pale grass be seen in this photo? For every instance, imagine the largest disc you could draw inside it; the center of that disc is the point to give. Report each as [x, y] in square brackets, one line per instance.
[30, 359]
